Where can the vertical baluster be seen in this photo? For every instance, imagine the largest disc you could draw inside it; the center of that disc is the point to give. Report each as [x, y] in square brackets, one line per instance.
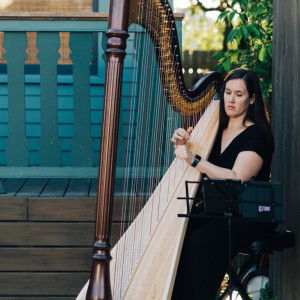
[82, 143]
[17, 153]
[48, 45]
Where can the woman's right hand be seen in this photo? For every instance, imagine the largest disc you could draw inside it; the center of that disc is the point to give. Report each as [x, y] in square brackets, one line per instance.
[180, 136]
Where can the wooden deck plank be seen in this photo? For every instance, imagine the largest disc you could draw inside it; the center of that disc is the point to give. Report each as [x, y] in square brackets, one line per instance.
[30, 284]
[32, 187]
[45, 259]
[61, 209]
[78, 209]
[56, 187]
[46, 234]
[12, 186]
[13, 209]
[126, 212]
[49, 234]
[78, 187]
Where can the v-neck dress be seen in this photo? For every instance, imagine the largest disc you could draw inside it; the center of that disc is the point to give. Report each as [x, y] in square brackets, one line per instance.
[253, 138]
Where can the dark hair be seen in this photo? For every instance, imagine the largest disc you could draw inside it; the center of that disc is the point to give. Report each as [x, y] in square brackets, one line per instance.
[257, 111]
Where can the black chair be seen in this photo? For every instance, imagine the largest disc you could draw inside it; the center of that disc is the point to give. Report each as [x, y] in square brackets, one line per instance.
[252, 276]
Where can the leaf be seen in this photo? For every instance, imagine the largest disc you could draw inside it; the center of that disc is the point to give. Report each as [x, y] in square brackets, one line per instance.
[234, 2]
[260, 70]
[253, 30]
[242, 17]
[259, 8]
[234, 56]
[227, 64]
[262, 53]
[238, 33]
[217, 55]
[270, 49]
[244, 5]
[231, 16]
[222, 15]
[219, 68]
[231, 36]
[245, 32]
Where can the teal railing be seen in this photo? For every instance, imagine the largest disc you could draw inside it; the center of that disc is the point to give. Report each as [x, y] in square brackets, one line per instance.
[50, 118]
[51, 114]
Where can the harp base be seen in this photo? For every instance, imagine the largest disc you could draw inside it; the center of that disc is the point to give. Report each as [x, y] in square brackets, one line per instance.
[99, 285]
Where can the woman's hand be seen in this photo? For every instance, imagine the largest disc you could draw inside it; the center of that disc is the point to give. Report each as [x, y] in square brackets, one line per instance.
[181, 136]
[183, 152]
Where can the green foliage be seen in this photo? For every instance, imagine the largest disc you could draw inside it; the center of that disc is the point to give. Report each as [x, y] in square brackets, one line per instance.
[201, 32]
[266, 293]
[250, 41]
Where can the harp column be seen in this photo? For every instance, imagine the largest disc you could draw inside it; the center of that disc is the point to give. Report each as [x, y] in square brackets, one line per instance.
[117, 33]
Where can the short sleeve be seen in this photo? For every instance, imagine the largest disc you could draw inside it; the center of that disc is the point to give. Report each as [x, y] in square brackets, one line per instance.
[256, 140]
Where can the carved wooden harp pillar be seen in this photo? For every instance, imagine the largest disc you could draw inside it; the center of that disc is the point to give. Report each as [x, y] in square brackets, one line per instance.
[99, 287]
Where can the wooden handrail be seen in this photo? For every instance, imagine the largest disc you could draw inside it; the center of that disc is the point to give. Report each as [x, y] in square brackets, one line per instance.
[42, 15]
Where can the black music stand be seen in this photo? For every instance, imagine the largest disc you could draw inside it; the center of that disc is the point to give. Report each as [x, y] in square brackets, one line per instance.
[221, 198]
[229, 198]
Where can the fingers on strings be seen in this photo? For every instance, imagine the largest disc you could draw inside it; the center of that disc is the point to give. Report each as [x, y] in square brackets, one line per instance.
[181, 135]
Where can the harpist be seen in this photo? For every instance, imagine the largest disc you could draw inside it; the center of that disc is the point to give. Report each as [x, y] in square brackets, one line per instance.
[242, 150]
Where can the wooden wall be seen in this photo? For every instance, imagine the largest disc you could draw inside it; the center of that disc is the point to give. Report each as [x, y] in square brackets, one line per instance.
[286, 125]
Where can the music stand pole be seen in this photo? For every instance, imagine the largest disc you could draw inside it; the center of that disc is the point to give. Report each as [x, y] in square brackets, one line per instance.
[228, 215]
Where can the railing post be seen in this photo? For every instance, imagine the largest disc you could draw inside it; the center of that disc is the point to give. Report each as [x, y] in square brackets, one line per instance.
[82, 144]
[48, 45]
[17, 153]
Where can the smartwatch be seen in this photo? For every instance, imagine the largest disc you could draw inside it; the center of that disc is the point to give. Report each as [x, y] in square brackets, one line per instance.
[197, 158]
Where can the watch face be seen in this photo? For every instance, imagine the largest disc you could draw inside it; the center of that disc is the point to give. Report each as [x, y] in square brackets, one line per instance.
[198, 157]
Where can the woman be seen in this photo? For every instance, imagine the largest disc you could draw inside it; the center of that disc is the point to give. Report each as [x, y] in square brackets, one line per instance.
[242, 150]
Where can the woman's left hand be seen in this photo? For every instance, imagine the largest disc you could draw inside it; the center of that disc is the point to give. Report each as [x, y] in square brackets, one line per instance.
[183, 152]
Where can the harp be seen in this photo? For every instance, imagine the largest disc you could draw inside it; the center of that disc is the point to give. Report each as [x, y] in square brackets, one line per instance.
[149, 272]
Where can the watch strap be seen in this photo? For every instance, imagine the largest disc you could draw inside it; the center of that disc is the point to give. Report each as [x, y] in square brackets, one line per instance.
[197, 158]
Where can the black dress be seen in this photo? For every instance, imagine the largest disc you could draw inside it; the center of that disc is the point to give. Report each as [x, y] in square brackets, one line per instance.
[204, 256]
[252, 138]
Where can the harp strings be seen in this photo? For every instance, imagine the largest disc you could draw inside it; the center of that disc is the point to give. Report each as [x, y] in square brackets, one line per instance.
[148, 152]
[133, 184]
[148, 117]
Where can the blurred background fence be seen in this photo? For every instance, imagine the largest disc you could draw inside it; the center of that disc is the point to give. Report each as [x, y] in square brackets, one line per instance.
[196, 64]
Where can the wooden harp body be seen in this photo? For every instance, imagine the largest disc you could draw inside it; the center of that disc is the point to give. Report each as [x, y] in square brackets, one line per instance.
[150, 272]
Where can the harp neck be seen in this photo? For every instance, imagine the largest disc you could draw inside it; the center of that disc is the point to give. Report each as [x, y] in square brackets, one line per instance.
[157, 18]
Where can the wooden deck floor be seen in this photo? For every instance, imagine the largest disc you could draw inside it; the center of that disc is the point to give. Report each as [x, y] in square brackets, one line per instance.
[49, 187]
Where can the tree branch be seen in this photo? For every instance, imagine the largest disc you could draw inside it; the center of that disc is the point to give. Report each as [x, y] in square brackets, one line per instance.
[218, 8]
